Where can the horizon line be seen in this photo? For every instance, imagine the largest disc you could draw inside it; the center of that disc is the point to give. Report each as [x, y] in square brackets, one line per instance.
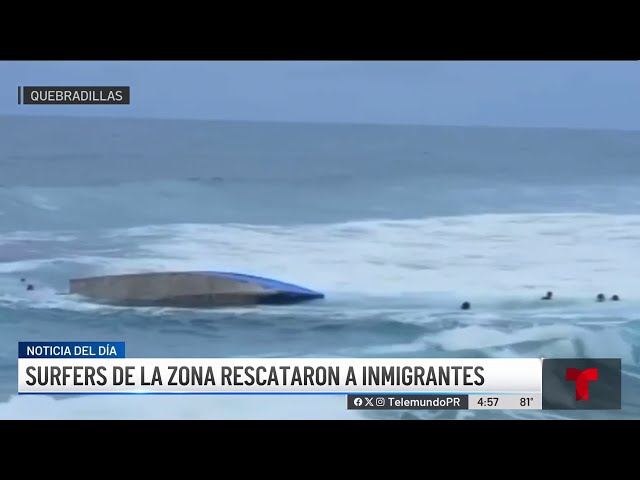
[315, 122]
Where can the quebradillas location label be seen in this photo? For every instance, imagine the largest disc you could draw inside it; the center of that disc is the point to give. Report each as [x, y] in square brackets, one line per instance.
[74, 95]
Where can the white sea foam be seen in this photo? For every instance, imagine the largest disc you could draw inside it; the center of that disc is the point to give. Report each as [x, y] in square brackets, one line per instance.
[483, 256]
[562, 340]
[31, 236]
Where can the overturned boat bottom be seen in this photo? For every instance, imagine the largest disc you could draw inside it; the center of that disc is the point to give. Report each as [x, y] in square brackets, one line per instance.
[189, 290]
[206, 301]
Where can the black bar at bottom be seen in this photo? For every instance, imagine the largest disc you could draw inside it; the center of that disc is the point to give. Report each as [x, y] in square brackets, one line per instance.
[407, 402]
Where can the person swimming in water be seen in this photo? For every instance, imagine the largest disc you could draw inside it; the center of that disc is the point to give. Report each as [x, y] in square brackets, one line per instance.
[465, 306]
[600, 297]
[547, 296]
[30, 287]
[615, 298]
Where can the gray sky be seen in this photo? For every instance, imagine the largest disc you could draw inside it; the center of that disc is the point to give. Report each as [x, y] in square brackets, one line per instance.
[538, 94]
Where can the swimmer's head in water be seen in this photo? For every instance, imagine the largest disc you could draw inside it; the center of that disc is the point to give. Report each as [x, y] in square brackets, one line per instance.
[615, 298]
[23, 280]
[29, 287]
[600, 297]
[465, 306]
[548, 296]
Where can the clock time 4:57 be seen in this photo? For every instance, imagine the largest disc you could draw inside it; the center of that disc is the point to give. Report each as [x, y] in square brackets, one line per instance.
[488, 401]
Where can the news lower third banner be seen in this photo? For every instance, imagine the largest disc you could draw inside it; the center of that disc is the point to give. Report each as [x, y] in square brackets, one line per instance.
[368, 383]
[88, 95]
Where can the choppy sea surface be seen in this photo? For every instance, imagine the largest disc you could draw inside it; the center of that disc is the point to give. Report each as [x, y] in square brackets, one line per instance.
[397, 225]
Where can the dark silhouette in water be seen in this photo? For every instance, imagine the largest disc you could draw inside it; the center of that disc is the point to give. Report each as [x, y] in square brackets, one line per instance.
[600, 297]
[547, 296]
[30, 287]
[465, 306]
[615, 298]
[23, 280]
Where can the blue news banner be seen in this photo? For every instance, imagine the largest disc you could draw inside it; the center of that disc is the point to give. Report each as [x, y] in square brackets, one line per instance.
[71, 350]
[565, 383]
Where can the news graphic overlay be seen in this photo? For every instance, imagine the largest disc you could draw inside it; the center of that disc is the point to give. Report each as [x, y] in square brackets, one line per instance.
[47, 350]
[367, 383]
[74, 95]
[408, 402]
[582, 384]
[100, 367]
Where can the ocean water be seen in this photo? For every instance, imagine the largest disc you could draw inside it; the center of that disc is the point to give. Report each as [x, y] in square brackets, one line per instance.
[396, 224]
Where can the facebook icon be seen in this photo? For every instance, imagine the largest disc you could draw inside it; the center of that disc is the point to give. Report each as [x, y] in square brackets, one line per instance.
[581, 384]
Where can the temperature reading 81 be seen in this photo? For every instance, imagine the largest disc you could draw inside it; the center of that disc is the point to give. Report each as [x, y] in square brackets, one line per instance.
[526, 401]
